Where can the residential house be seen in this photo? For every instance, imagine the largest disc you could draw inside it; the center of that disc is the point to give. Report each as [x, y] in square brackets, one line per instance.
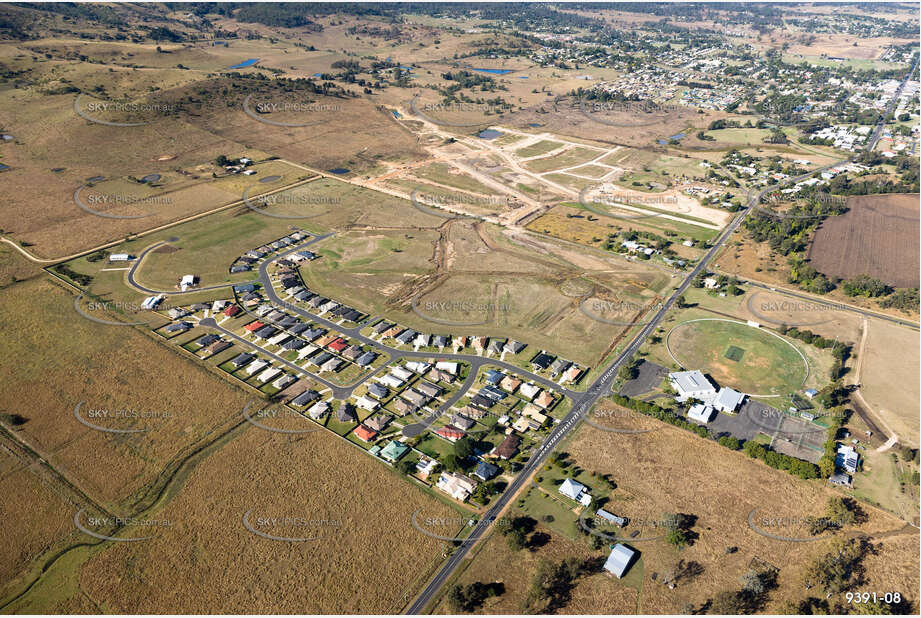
[529, 391]
[451, 433]
[365, 433]
[510, 383]
[486, 471]
[513, 347]
[393, 451]
[507, 448]
[559, 366]
[456, 485]
[304, 398]
[379, 422]
[462, 422]
[541, 361]
[544, 400]
[575, 490]
[318, 410]
[366, 403]
[346, 413]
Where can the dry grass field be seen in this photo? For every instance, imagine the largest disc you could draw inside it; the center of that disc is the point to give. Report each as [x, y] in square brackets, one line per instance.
[653, 478]
[877, 236]
[35, 520]
[366, 557]
[889, 380]
[59, 359]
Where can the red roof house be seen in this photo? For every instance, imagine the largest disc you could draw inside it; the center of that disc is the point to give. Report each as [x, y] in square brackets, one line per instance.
[450, 432]
[365, 433]
[253, 326]
[338, 345]
[231, 311]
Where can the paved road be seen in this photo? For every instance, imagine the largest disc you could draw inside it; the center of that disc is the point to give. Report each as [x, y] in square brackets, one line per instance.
[583, 402]
[137, 263]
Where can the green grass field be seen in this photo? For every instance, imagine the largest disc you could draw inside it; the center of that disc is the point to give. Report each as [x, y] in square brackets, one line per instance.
[734, 354]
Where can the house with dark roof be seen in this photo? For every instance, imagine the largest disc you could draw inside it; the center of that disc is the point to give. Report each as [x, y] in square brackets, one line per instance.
[541, 361]
[486, 470]
[381, 326]
[482, 402]
[513, 347]
[378, 391]
[177, 327]
[508, 447]
[265, 332]
[461, 422]
[346, 413]
[305, 398]
[493, 376]
[559, 366]
[242, 360]
[207, 340]
[218, 346]
[365, 359]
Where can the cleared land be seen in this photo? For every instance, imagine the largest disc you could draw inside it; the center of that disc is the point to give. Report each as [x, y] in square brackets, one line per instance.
[877, 236]
[889, 377]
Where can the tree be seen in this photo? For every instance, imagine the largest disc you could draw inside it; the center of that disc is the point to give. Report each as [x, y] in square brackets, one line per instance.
[836, 571]
[406, 466]
[676, 537]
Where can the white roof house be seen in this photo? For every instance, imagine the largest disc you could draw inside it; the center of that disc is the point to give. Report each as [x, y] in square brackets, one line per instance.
[692, 384]
[391, 380]
[186, 282]
[700, 413]
[268, 374]
[366, 403]
[530, 391]
[446, 366]
[456, 485]
[259, 364]
[847, 458]
[575, 490]
[619, 560]
[728, 399]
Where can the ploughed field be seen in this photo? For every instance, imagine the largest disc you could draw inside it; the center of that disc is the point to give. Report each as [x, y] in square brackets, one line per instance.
[877, 236]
